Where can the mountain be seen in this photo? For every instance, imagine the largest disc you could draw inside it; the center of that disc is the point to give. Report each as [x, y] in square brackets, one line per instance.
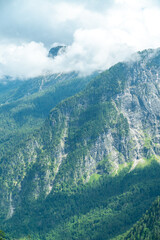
[93, 168]
[56, 50]
[148, 227]
[24, 105]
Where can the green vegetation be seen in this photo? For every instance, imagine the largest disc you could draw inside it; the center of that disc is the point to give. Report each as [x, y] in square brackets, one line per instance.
[102, 209]
[24, 107]
[148, 227]
[94, 177]
[2, 235]
[23, 112]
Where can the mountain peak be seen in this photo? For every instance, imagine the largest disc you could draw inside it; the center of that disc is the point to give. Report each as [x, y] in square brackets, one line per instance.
[53, 52]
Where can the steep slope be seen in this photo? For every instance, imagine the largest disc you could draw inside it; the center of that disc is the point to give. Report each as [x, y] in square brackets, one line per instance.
[46, 153]
[112, 124]
[148, 227]
[26, 104]
[114, 121]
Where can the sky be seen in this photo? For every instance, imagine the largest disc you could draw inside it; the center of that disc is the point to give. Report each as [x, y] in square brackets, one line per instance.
[98, 34]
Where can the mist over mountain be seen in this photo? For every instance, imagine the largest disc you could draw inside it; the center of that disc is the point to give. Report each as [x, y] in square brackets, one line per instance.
[97, 36]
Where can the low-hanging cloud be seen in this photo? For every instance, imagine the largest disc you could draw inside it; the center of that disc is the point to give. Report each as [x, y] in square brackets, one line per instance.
[23, 61]
[97, 37]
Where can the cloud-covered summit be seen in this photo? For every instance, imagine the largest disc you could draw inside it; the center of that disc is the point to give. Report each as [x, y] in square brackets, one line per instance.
[98, 34]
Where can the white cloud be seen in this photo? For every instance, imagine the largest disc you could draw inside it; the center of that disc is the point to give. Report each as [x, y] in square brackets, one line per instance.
[23, 61]
[92, 50]
[98, 37]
